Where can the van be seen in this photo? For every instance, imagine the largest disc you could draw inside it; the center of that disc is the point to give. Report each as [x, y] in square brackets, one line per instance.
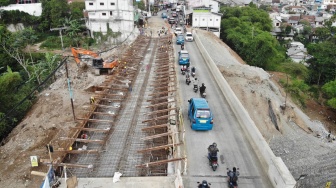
[200, 115]
[184, 58]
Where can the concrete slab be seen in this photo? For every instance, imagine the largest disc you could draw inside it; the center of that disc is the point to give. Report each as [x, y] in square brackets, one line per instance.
[129, 182]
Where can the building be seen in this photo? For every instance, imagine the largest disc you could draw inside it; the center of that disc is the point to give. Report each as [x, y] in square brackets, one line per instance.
[297, 52]
[113, 15]
[29, 6]
[203, 18]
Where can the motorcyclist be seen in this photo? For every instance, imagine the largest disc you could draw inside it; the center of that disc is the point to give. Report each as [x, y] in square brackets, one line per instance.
[182, 46]
[233, 176]
[202, 88]
[195, 83]
[212, 150]
[193, 69]
[204, 184]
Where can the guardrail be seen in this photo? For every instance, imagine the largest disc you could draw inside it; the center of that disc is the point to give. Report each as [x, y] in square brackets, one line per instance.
[273, 166]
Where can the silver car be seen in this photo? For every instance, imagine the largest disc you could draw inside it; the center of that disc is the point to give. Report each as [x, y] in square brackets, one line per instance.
[189, 36]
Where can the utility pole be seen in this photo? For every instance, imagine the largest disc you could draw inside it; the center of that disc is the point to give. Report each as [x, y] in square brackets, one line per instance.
[66, 69]
[60, 32]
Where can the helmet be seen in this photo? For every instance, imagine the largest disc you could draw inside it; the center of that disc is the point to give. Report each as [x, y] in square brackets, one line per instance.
[204, 182]
[214, 144]
[202, 84]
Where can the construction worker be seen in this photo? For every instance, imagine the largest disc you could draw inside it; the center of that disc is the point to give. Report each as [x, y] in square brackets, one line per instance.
[92, 100]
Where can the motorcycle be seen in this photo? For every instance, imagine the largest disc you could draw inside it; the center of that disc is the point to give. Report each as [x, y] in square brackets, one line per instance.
[213, 162]
[188, 81]
[203, 95]
[204, 184]
[232, 178]
[195, 88]
[202, 92]
[183, 72]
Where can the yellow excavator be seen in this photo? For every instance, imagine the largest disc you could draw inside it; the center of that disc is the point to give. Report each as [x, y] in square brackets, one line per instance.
[101, 66]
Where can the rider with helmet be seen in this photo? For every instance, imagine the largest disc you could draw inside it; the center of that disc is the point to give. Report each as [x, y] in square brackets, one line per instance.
[212, 150]
[233, 177]
[204, 184]
[202, 88]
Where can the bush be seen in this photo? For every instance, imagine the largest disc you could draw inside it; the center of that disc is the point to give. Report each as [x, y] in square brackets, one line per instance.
[295, 70]
[54, 42]
[16, 16]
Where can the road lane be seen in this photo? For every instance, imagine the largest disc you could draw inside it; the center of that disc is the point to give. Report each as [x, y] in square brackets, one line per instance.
[232, 145]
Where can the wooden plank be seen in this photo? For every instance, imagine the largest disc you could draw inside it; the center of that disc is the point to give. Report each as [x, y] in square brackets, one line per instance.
[158, 118]
[156, 136]
[106, 106]
[159, 111]
[82, 140]
[157, 83]
[154, 127]
[172, 72]
[161, 69]
[36, 173]
[157, 148]
[108, 99]
[123, 87]
[91, 129]
[112, 95]
[161, 76]
[78, 151]
[103, 113]
[95, 120]
[158, 162]
[157, 93]
[71, 165]
[159, 98]
[162, 87]
[159, 104]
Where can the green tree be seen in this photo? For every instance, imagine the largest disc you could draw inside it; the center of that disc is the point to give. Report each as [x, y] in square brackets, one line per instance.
[12, 91]
[140, 4]
[73, 30]
[323, 33]
[76, 9]
[53, 12]
[330, 90]
[322, 66]
[246, 30]
[7, 2]
[12, 44]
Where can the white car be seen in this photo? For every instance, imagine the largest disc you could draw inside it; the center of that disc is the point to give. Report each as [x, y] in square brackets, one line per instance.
[189, 36]
[178, 31]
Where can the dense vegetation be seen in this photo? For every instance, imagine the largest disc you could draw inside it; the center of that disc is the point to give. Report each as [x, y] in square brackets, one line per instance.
[22, 72]
[247, 31]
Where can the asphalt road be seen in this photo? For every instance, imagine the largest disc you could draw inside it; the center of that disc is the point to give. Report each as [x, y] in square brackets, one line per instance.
[234, 149]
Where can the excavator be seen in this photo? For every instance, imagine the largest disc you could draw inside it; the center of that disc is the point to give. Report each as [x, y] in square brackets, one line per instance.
[101, 66]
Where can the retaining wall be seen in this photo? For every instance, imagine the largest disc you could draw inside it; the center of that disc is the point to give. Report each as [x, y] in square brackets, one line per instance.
[273, 166]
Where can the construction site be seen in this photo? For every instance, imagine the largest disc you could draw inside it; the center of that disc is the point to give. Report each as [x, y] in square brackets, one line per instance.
[132, 124]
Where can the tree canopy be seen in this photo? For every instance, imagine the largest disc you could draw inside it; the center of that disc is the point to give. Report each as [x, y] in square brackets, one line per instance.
[247, 31]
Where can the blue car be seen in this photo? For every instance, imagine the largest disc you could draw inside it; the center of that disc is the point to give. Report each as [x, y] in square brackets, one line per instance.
[184, 58]
[200, 114]
[164, 15]
[180, 39]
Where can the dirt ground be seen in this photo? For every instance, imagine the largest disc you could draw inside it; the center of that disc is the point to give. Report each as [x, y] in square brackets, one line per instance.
[51, 117]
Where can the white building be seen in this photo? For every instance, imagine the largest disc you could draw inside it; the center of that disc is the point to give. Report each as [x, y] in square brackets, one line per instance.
[297, 52]
[34, 9]
[117, 15]
[204, 19]
[212, 4]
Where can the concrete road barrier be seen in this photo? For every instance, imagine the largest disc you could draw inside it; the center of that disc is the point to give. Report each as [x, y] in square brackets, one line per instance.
[274, 167]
